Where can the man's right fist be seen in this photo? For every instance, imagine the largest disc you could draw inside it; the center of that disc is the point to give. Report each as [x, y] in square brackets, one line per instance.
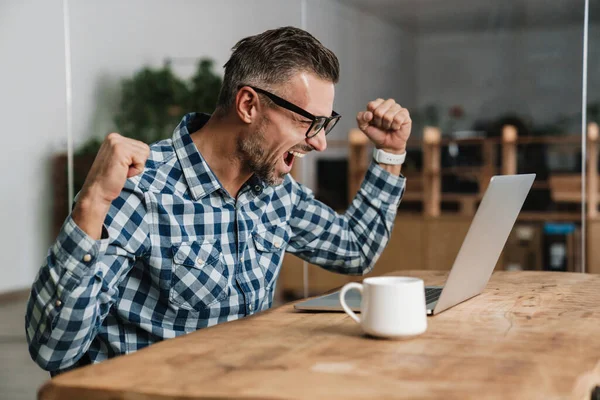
[119, 158]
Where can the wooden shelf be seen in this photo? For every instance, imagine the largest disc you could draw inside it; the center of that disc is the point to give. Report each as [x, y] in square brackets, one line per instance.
[539, 216]
[541, 185]
[463, 170]
[498, 156]
[522, 140]
[436, 223]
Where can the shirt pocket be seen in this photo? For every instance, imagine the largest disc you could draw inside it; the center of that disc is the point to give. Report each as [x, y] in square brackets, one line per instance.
[270, 244]
[199, 277]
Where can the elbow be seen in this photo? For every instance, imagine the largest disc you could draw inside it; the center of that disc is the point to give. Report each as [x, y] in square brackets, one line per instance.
[37, 339]
[46, 358]
[42, 362]
[49, 354]
[360, 265]
[367, 263]
[367, 268]
[40, 354]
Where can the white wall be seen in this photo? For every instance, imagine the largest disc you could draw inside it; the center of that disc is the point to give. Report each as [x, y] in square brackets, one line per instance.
[32, 116]
[536, 73]
[377, 59]
[108, 46]
[110, 40]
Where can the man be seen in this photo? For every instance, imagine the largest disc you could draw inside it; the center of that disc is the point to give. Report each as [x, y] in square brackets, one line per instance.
[191, 231]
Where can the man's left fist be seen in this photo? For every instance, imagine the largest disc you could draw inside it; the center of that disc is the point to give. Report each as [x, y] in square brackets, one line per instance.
[387, 124]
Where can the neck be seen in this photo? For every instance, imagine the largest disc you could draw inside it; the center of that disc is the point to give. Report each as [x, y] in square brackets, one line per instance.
[217, 141]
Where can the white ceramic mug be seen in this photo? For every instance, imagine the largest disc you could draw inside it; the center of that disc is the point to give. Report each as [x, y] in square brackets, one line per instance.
[391, 307]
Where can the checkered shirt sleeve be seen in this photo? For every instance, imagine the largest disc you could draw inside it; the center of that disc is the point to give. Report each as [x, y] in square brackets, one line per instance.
[350, 243]
[77, 285]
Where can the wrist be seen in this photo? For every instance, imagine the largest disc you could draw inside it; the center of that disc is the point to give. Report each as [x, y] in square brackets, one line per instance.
[388, 158]
[392, 169]
[397, 151]
[92, 206]
[89, 214]
[93, 195]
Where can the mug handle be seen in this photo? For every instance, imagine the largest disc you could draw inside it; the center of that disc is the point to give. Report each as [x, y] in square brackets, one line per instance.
[346, 288]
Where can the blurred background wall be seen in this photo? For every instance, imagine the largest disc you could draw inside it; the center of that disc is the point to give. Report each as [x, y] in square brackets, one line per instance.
[32, 106]
[112, 39]
[490, 59]
[521, 70]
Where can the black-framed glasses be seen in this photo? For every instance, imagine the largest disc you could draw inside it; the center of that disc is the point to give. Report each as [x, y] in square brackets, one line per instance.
[318, 122]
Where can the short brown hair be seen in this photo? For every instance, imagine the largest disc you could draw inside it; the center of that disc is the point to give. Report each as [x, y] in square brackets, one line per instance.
[271, 58]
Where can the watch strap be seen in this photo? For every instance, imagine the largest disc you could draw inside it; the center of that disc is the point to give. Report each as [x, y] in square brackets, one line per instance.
[383, 157]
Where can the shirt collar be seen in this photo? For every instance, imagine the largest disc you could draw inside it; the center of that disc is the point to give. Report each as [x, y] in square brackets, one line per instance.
[200, 178]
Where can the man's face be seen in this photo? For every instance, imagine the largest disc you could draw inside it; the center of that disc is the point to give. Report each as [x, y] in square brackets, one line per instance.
[278, 137]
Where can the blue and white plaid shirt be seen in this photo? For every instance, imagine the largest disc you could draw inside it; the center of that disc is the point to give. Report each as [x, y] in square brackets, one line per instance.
[182, 254]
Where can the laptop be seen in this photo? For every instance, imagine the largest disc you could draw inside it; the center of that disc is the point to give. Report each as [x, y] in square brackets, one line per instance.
[477, 256]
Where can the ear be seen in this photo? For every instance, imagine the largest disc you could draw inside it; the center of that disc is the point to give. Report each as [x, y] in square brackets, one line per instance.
[247, 104]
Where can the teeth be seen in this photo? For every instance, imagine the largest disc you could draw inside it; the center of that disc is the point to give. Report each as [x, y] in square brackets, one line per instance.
[296, 154]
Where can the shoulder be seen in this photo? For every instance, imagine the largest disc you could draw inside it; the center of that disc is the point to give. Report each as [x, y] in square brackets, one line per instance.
[161, 172]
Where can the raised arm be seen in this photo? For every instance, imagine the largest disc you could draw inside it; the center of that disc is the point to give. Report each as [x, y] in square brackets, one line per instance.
[77, 284]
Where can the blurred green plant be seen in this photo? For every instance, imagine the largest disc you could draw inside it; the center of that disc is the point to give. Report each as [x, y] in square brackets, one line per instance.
[154, 100]
[150, 104]
[204, 88]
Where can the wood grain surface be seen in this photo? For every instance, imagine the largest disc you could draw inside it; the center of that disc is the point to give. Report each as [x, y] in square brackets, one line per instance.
[530, 335]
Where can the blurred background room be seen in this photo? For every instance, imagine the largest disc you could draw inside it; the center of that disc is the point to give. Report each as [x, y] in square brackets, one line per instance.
[493, 88]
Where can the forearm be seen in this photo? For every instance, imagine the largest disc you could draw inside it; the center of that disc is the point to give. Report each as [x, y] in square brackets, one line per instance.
[392, 169]
[78, 283]
[63, 307]
[372, 214]
[349, 243]
[90, 212]
[60, 328]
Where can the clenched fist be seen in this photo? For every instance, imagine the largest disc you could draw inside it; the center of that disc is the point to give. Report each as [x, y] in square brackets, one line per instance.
[119, 158]
[387, 124]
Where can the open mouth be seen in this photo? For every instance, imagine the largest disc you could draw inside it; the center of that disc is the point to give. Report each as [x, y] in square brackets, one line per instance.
[289, 156]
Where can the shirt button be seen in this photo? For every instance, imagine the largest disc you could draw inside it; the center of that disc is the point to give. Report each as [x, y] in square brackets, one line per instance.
[200, 261]
[277, 244]
[251, 307]
[58, 303]
[87, 258]
[257, 188]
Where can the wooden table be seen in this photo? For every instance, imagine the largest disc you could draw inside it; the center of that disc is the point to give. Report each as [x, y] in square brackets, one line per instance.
[530, 335]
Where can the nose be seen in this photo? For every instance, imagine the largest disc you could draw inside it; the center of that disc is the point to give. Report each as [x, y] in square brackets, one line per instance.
[318, 142]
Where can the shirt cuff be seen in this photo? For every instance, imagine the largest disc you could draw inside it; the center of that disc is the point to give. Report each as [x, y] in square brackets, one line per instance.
[75, 251]
[382, 185]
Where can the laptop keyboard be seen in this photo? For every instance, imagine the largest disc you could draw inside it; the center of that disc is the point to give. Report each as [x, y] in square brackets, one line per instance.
[432, 294]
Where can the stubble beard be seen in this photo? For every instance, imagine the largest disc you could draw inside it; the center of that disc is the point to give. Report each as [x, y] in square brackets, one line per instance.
[253, 156]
